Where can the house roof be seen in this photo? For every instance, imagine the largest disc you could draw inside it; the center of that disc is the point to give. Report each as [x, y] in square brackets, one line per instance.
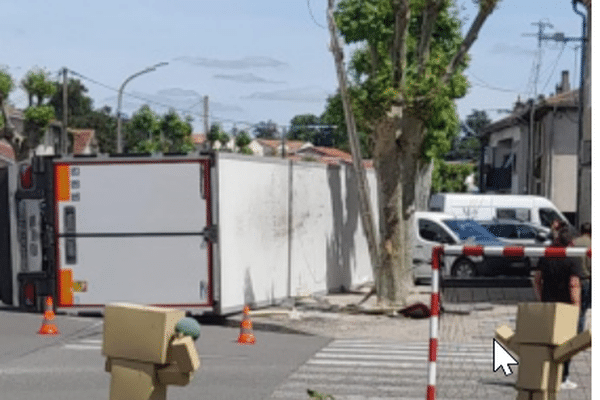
[15, 112]
[198, 138]
[6, 150]
[331, 152]
[521, 114]
[81, 139]
[292, 146]
[333, 156]
[566, 99]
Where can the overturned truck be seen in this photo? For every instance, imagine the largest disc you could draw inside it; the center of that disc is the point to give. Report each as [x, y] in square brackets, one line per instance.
[209, 232]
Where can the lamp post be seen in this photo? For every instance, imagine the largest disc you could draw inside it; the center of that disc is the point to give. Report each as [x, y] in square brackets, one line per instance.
[120, 100]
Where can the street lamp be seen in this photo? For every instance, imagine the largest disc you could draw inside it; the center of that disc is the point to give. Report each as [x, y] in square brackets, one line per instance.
[120, 100]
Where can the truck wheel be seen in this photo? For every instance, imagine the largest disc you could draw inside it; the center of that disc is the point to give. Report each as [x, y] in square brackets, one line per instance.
[463, 268]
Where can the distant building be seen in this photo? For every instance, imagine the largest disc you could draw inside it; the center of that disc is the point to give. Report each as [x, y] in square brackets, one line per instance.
[201, 143]
[542, 160]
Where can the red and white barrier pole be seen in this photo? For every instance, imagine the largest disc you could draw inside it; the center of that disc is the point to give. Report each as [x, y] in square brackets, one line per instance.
[436, 256]
[440, 251]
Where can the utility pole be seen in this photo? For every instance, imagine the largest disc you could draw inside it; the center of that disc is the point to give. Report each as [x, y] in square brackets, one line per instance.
[560, 37]
[540, 35]
[364, 200]
[63, 139]
[206, 128]
[283, 133]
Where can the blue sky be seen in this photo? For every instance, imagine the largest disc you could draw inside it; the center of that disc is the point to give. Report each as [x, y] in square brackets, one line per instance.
[256, 60]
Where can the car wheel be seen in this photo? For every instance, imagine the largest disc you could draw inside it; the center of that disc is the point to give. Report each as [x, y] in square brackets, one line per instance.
[463, 268]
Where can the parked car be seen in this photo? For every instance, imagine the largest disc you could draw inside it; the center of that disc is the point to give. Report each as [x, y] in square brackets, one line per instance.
[434, 228]
[517, 232]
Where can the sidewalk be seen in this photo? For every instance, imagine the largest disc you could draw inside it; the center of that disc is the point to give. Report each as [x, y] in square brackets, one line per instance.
[339, 316]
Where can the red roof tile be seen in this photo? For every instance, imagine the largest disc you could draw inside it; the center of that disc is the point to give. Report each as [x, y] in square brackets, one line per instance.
[198, 138]
[81, 139]
[291, 145]
[6, 150]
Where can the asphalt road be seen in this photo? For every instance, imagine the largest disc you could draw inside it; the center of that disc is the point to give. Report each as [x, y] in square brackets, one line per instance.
[70, 366]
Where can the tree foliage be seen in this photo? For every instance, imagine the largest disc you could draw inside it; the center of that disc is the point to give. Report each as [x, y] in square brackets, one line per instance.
[243, 139]
[38, 85]
[334, 116]
[477, 121]
[149, 133]
[40, 88]
[467, 144]
[78, 102]
[223, 139]
[6, 86]
[423, 92]
[450, 178]
[304, 127]
[266, 130]
[214, 133]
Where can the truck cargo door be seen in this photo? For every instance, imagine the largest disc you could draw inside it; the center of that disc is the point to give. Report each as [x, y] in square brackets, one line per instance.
[133, 231]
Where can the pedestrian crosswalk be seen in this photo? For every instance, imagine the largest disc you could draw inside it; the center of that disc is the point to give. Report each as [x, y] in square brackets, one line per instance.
[356, 369]
[84, 344]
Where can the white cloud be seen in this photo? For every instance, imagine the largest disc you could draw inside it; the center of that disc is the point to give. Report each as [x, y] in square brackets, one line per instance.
[299, 95]
[245, 78]
[242, 63]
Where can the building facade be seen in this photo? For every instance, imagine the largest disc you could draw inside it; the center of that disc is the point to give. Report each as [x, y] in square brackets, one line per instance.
[534, 150]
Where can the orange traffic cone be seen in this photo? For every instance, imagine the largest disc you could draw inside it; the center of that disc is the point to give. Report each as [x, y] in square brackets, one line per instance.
[246, 335]
[48, 328]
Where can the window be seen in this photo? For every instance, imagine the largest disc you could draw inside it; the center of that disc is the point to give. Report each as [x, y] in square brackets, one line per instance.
[526, 232]
[520, 214]
[548, 216]
[432, 232]
[503, 230]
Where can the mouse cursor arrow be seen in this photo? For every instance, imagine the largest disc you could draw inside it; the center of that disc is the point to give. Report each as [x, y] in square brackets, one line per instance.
[502, 358]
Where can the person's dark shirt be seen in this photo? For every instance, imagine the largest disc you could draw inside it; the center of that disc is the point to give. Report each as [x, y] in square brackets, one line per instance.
[556, 276]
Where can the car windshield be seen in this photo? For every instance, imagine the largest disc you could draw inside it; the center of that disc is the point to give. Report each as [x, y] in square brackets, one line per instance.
[467, 229]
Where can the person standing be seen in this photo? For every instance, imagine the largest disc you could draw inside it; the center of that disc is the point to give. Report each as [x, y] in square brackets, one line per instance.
[558, 280]
[585, 240]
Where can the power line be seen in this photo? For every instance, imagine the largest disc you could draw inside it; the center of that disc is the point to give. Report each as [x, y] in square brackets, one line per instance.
[554, 67]
[186, 111]
[489, 86]
[129, 94]
[312, 16]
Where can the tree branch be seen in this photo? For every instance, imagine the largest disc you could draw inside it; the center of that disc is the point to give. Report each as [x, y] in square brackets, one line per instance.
[374, 59]
[432, 10]
[485, 9]
[398, 50]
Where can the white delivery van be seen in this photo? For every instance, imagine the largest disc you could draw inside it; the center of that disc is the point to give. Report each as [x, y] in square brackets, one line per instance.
[534, 209]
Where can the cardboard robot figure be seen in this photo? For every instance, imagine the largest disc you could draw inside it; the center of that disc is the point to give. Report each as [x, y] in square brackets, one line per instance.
[148, 348]
[545, 338]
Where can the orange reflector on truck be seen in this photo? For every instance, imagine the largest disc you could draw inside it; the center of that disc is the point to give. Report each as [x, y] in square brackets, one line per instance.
[63, 187]
[65, 288]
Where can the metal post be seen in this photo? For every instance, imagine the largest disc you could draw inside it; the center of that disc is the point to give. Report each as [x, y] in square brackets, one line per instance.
[580, 112]
[120, 100]
[206, 127]
[63, 139]
[283, 133]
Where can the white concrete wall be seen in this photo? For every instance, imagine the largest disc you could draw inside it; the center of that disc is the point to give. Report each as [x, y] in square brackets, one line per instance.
[270, 247]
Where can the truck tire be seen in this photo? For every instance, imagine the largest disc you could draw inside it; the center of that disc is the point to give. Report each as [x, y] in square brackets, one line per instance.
[463, 268]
